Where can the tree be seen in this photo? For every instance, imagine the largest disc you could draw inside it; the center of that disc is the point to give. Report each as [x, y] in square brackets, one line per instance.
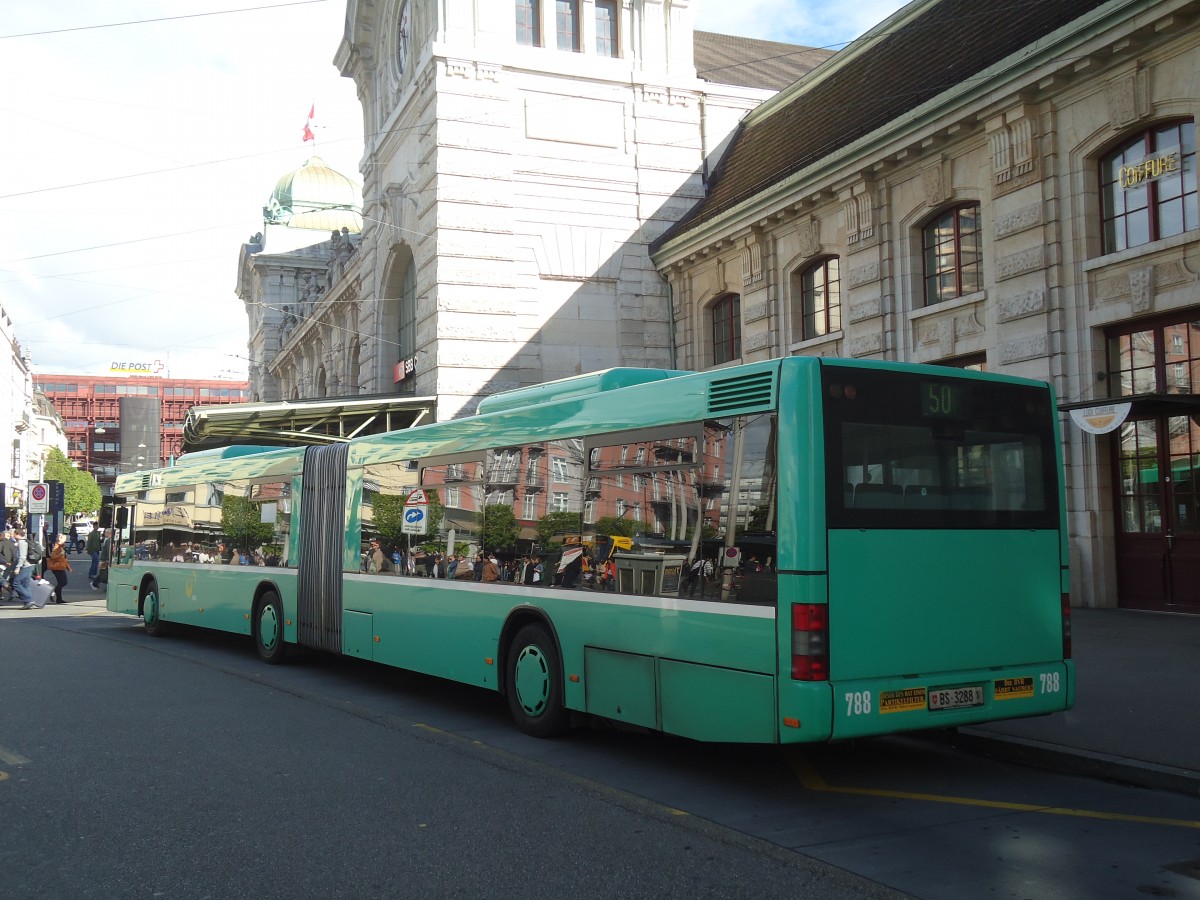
[499, 527]
[553, 524]
[241, 522]
[389, 516]
[81, 493]
[619, 526]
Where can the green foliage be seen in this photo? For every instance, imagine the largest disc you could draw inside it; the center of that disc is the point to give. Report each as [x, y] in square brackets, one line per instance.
[623, 527]
[81, 493]
[389, 518]
[758, 517]
[241, 522]
[553, 524]
[500, 528]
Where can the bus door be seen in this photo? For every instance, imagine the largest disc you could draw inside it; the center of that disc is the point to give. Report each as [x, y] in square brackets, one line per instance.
[322, 539]
[1158, 535]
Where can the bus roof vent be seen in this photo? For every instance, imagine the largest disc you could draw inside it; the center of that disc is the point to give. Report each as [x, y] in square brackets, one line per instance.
[146, 481]
[742, 393]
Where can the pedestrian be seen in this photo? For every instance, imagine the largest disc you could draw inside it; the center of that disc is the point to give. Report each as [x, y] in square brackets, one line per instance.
[23, 583]
[8, 557]
[376, 559]
[94, 542]
[59, 566]
[100, 582]
[490, 572]
[73, 539]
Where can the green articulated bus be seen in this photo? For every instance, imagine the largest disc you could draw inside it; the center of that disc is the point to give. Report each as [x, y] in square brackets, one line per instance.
[819, 550]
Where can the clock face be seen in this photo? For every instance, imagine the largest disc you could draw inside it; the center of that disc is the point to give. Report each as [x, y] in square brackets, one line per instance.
[403, 32]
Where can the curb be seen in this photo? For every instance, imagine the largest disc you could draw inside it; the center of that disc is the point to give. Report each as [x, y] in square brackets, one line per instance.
[1075, 761]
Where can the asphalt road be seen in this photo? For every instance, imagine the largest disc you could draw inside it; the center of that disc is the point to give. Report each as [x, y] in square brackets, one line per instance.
[142, 768]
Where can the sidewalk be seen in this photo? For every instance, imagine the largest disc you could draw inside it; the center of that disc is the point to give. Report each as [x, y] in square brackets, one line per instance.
[1136, 717]
[81, 599]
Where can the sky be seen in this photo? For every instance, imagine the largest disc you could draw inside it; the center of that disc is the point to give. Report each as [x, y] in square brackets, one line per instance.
[142, 139]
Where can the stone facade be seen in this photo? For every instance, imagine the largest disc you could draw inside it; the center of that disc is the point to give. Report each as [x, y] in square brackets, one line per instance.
[1024, 141]
[510, 193]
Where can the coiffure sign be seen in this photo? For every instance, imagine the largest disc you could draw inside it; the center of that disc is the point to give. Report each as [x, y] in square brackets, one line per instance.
[136, 368]
[1148, 169]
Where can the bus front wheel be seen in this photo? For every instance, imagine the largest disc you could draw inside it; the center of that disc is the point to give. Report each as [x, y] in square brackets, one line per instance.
[151, 611]
[268, 629]
[535, 683]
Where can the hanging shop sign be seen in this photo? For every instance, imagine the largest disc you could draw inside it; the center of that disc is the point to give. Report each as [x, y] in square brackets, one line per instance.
[1101, 419]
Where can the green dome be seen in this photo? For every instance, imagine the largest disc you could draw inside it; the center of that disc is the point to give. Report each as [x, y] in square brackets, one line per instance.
[317, 198]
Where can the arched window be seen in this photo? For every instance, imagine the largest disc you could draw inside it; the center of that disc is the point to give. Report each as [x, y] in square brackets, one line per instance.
[1148, 187]
[407, 338]
[817, 300]
[953, 254]
[726, 328]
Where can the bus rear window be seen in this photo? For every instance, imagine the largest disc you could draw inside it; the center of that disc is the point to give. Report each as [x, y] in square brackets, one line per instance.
[906, 450]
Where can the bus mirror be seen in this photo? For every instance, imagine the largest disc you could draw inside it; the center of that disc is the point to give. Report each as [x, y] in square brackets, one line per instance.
[122, 517]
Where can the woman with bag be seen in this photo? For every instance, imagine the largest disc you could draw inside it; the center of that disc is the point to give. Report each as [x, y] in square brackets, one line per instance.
[59, 566]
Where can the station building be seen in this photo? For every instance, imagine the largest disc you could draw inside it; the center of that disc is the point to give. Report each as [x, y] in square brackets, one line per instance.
[997, 186]
[520, 157]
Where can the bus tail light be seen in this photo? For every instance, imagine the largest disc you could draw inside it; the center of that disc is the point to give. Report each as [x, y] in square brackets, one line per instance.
[810, 642]
[1066, 625]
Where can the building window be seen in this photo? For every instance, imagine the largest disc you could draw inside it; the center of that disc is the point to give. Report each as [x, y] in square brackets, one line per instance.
[561, 502]
[727, 329]
[529, 509]
[407, 337]
[558, 469]
[975, 362]
[1148, 187]
[606, 28]
[1154, 359]
[817, 300]
[566, 23]
[529, 23]
[953, 254]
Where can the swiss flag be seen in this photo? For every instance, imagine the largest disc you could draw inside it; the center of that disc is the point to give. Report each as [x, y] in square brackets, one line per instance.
[308, 132]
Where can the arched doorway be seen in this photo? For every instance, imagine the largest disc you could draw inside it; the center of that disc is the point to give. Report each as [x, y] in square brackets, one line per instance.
[1156, 454]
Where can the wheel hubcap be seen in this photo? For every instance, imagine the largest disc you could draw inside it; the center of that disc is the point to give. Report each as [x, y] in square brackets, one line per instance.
[150, 608]
[268, 627]
[532, 680]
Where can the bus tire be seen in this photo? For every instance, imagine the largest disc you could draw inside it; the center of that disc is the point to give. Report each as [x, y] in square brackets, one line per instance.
[268, 629]
[152, 611]
[534, 683]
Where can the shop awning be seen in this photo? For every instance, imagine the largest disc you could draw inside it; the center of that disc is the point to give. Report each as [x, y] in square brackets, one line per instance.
[328, 420]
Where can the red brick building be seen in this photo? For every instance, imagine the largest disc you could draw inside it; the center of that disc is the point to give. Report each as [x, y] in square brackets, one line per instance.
[120, 423]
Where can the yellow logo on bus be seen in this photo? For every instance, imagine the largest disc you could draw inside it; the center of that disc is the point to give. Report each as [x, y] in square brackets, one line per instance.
[905, 700]
[1013, 688]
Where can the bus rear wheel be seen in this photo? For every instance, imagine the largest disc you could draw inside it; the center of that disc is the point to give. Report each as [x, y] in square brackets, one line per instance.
[534, 683]
[151, 611]
[268, 629]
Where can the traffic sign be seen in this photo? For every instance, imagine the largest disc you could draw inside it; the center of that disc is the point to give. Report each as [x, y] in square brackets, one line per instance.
[416, 520]
[39, 497]
[416, 498]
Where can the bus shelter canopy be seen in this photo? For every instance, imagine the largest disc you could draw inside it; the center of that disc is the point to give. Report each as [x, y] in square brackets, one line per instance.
[291, 422]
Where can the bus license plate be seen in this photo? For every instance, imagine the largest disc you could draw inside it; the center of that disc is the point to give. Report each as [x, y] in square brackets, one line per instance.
[956, 698]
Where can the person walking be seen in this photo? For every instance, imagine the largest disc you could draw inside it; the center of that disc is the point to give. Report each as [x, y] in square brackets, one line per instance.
[23, 583]
[92, 546]
[58, 565]
[8, 558]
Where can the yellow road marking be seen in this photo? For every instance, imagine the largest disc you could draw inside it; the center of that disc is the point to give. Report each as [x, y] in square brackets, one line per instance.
[3, 775]
[11, 757]
[812, 780]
